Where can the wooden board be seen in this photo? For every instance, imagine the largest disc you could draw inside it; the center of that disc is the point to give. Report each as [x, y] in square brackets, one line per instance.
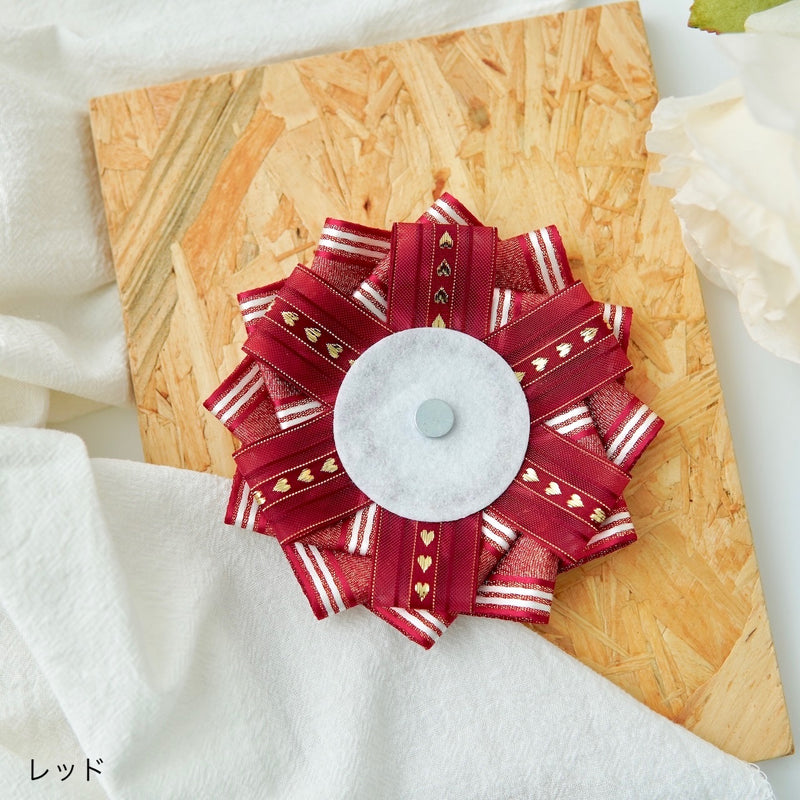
[220, 184]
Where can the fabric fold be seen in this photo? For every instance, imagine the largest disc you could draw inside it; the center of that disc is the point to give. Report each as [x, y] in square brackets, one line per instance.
[109, 578]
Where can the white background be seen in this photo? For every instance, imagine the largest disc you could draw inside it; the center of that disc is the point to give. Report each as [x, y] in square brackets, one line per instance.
[762, 396]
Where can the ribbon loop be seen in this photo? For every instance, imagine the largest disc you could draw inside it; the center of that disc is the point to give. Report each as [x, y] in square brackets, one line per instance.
[312, 335]
[562, 351]
[442, 276]
[431, 566]
[562, 494]
[296, 477]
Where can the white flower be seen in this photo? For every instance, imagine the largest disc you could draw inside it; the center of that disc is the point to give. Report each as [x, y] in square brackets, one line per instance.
[733, 158]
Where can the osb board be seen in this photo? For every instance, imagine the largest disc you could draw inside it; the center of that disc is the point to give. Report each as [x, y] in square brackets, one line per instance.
[220, 184]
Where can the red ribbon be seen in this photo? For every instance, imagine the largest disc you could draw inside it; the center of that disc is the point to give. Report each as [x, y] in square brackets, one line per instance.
[310, 332]
[426, 565]
[442, 274]
[300, 479]
[563, 350]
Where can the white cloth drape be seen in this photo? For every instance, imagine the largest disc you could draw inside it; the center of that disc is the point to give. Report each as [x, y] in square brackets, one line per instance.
[182, 653]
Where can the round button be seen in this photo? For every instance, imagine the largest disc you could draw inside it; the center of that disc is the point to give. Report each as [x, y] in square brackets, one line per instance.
[434, 418]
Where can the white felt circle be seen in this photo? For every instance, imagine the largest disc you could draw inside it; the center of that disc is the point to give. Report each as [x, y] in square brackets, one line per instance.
[412, 475]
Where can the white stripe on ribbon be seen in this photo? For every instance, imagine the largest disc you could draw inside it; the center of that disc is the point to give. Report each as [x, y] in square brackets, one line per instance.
[326, 573]
[572, 426]
[541, 262]
[242, 400]
[506, 307]
[511, 603]
[617, 321]
[495, 523]
[369, 305]
[607, 309]
[437, 623]
[255, 314]
[349, 248]
[368, 529]
[419, 624]
[379, 298]
[525, 592]
[257, 301]
[243, 500]
[251, 517]
[290, 423]
[448, 209]
[493, 314]
[499, 540]
[323, 595]
[220, 404]
[567, 415]
[355, 237]
[548, 243]
[285, 412]
[353, 543]
[623, 454]
[436, 215]
[616, 518]
[628, 427]
[606, 533]
[610, 309]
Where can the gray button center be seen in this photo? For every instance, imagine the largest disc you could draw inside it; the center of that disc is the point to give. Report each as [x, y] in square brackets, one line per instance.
[434, 418]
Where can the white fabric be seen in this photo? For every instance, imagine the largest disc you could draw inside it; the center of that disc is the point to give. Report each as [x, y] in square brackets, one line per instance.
[396, 466]
[733, 158]
[135, 627]
[60, 324]
[183, 654]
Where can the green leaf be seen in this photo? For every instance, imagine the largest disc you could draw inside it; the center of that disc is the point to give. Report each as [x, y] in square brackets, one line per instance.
[726, 16]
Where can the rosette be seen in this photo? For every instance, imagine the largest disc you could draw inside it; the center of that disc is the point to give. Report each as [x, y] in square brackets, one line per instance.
[433, 421]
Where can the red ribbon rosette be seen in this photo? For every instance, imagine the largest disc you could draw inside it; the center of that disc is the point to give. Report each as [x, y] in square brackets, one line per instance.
[561, 506]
